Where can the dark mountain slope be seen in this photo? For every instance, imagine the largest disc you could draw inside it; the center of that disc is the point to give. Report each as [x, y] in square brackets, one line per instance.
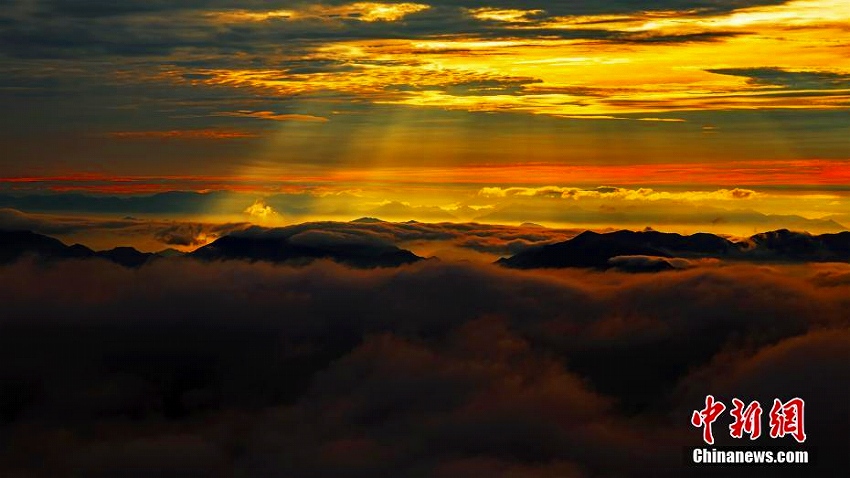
[595, 250]
[272, 248]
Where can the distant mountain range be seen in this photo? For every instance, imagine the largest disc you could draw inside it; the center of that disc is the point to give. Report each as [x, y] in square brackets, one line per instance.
[17, 244]
[261, 246]
[704, 216]
[603, 251]
[303, 205]
[644, 251]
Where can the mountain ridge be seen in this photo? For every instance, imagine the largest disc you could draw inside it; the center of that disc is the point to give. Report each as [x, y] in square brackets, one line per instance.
[258, 246]
[596, 250]
[646, 250]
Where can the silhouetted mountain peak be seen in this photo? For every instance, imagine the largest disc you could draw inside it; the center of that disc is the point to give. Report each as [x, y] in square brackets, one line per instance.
[273, 247]
[587, 235]
[785, 245]
[126, 256]
[595, 250]
[15, 245]
[79, 250]
[588, 249]
[170, 252]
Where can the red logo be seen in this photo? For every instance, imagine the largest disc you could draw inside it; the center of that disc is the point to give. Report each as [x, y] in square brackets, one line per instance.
[705, 417]
[785, 419]
[746, 420]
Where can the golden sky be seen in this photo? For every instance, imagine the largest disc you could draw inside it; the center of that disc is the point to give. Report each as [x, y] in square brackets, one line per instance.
[355, 106]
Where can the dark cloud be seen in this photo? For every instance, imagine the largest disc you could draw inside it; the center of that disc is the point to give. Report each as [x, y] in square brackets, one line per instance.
[801, 80]
[69, 29]
[181, 368]
[105, 8]
[675, 39]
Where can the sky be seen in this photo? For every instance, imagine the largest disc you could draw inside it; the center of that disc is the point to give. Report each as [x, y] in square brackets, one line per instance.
[729, 116]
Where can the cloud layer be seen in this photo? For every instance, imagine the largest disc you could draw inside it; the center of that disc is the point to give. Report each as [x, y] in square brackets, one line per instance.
[184, 368]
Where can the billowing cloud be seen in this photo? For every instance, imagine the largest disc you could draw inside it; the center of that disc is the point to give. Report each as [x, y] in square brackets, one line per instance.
[431, 369]
[260, 211]
[653, 263]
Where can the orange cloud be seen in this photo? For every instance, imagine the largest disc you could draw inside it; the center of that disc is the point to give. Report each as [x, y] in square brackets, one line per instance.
[211, 133]
[504, 15]
[271, 115]
[642, 194]
[260, 210]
